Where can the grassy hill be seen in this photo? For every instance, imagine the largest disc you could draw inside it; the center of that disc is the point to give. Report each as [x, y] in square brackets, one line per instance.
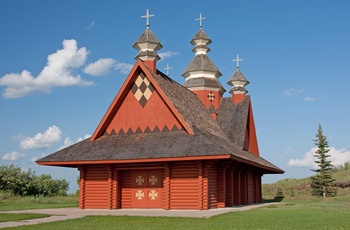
[300, 188]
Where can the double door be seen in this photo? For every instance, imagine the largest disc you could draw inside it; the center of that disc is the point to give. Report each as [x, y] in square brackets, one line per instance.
[146, 189]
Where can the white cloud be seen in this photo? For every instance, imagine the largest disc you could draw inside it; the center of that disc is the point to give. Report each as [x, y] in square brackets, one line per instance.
[13, 156]
[67, 142]
[167, 54]
[91, 25]
[57, 73]
[35, 158]
[104, 66]
[42, 140]
[292, 92]
[309, 99]
[337, 157]
[124, 68]
[101, 67]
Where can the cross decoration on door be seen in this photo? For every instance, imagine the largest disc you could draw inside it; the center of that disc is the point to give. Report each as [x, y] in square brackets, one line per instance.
[139, 194]
[153, 180]
[140, 180]
[153, 194]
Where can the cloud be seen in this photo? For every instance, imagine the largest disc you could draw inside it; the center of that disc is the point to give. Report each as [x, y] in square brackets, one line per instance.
[309, 99]
[104, 66]
[91, 25]
[67, 142]
[13, 156]
[42, 140]
[35, 158]
[292, 92]
[167, 54]
[337, 157]
[124, 68]
[57, 73]
[101, 67]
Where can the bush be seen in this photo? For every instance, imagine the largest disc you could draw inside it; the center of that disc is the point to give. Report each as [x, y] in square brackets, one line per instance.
[16, 181]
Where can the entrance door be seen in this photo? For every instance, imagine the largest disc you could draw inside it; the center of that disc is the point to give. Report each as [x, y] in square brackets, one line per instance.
[147, 189]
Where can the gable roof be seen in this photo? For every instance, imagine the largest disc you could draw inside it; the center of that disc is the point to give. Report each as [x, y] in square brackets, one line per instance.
[203, 138]
[118, 100]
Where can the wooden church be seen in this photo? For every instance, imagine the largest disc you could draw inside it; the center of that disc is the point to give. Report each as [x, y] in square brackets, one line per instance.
[171, 146]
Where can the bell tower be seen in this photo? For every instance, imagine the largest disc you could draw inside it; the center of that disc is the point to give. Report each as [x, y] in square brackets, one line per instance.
[201, 75]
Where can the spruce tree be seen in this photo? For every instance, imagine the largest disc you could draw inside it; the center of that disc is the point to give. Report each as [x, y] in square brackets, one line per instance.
[321, 183]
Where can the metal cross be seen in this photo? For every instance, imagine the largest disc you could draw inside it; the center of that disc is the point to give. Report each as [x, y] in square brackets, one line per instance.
[200, 19]
[237, 60]
[167, 69]
[147, 16]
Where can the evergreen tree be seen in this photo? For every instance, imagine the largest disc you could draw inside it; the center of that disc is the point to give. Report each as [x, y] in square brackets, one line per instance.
[321, 183]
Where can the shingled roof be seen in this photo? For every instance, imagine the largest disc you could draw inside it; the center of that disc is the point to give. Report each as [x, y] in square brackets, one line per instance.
[209, 139]
[232, 119]
[201, 62]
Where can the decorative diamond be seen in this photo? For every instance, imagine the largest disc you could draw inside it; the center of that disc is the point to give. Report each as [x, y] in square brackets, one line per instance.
[139, 194]
[142, 89]
[211, 96]
[140, 180]
[153, 194]
[153, 180]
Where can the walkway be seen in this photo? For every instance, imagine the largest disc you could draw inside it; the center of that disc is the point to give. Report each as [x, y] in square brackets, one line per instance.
[73, 213]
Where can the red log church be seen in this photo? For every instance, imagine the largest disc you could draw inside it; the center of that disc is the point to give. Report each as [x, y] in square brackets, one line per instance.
[165, 145]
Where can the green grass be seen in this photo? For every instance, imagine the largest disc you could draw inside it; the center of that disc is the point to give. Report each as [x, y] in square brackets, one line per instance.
[316, 214]
[300, 188]
[23, 203]
[4, 217]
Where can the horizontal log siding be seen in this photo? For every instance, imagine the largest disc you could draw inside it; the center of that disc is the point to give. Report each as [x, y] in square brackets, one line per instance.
[125, 191]
[184, 185]
[96, 194]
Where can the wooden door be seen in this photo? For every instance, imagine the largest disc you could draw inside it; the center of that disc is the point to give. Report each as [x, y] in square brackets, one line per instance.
[147, 189]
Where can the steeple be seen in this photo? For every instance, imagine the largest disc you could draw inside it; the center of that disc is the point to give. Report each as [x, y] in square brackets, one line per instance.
[147, 45]
[201, 74]
[238, 82]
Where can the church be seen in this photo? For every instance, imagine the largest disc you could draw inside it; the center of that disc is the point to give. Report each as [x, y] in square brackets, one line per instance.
[167, 145]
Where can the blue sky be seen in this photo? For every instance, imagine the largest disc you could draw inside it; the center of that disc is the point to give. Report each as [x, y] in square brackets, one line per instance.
[62, 63]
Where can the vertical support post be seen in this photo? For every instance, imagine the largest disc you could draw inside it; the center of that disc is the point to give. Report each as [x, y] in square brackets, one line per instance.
[221, 187]
[244, 188]
[229, 187]
[110, 186]
[200, 185]
[166, 189]
[237, 187]
[82, 187]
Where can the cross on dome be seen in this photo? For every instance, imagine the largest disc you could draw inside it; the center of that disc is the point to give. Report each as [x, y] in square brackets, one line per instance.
[147, 16]
[167, 68]
[200, 19]
[237, 60]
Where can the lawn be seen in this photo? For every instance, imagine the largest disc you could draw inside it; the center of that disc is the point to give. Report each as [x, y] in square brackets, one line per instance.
[315, 214]
[36, 202]
[4, 217]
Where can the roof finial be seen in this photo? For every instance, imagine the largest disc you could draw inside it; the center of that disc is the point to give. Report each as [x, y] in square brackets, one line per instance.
[200, 19]
[147, 16]
[237, 60]
[167, 69]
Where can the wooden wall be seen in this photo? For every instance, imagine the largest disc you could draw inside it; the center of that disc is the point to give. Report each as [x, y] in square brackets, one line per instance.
[96, 193]
[184, 185]
[197, 185]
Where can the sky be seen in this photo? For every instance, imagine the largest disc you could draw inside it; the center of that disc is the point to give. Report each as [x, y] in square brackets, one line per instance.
[62, 63]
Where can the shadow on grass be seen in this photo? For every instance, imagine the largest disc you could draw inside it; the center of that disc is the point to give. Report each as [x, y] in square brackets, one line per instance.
[276, 199]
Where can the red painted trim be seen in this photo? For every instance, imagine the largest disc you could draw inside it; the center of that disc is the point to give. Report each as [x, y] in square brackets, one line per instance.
[226, 156]
[117, 101]
[253, 141]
